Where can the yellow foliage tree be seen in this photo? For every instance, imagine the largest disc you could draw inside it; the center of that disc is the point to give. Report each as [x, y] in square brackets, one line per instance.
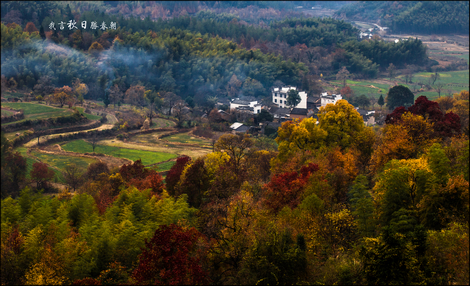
[295, 136]
[48, 271]
[213, 161]
[402, 141]
[342, 122]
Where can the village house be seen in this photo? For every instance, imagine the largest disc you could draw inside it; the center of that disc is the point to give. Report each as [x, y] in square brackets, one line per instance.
[238, 127]
[280, 95]
[367, 116]
[246, 105]
[326, 99]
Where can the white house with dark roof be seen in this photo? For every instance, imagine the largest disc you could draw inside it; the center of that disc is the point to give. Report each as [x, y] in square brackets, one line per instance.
[280, 95]
[326, 99]
[252, 106]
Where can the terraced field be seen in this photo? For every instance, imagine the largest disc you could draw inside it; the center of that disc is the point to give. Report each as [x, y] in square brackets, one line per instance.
[57, 162]
[187, 139]
[37, 111]
[454, 82]
[147, 157]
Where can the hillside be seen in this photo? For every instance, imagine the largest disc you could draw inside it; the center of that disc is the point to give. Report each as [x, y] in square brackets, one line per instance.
[428, 17]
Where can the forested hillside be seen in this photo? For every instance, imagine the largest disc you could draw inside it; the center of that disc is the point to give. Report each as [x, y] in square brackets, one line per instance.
[426, 17]
[182, 55]
[334, 203]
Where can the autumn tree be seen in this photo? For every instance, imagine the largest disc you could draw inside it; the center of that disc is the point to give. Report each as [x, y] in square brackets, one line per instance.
[115, 95]
[461, 108]
[347, 92]
[235, 145]
[399, 96]
[62, 95]
[233, 86]
[402, 141]
[30, 28]
[73, 176]
[135, 95]
[341, 121]
[194, 182]
[174, 174]
[95, 48]
[13, 170]
[80, 89]
[134, 170]
[172, 256]
[41, 174]
[95, 169]
[11, 248]
[444, 125]
[285, 189]
[294, 136]
[343, 75]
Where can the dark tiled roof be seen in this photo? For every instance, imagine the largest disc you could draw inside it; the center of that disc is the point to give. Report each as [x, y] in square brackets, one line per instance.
[282, 111]
[299, 111]
[242, 128]
[311, 105]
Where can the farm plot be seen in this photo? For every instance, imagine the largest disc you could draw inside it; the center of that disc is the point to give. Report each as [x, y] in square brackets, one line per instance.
[187, 139]
[162, 123]
[368, 88]
[7, 112]
[147, 157]
[57, 162]
[37, 111]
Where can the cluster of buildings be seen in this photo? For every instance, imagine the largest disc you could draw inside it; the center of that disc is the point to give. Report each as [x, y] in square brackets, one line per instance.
[281, 111]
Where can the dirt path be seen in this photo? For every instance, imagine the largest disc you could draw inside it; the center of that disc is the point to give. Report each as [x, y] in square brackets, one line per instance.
[42, 139]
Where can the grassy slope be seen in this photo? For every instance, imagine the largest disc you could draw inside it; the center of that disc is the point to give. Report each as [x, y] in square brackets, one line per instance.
[147, 157]
[37, 111]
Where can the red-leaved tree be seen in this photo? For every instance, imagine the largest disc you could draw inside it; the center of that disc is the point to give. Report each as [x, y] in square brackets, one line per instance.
[445, 125]
[172, 257]
[133, 171]
[41, 174]
[173, 176]
[285, 189]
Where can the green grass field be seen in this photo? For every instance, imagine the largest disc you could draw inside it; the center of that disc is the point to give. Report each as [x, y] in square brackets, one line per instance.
[53, 160]
[455, 81]
[185, 138]
[37, 111]
[162, 123]
[147, 157]
[163, 166]
[363, 87]
[7, 112]
[60, 162]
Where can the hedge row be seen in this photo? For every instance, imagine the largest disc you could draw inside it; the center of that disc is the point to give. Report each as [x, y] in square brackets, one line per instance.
[11, 118]
[81, 135]
[29, 135]
[45, 123]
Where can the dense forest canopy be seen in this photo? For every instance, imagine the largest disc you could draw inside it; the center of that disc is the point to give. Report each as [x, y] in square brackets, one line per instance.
[428, 17]
[180, 54]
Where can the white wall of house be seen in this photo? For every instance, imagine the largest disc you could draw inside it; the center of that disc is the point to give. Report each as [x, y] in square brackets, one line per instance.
[279, 97]
[326, 99]
[254, 104]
